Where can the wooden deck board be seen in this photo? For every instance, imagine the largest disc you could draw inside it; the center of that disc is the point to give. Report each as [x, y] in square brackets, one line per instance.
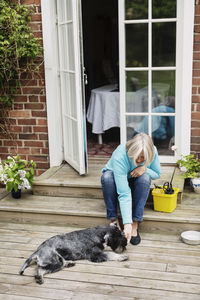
[161, 267]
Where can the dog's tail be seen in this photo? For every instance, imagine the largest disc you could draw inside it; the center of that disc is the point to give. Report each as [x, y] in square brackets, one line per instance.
[28, 262]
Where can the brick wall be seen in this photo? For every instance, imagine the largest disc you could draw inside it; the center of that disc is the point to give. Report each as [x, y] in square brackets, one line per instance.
[28, 116]
[195, 114]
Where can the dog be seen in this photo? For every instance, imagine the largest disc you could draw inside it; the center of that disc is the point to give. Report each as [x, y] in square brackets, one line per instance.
[62, 250]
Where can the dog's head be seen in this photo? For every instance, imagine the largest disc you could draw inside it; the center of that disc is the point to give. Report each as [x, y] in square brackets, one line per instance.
[115, 239]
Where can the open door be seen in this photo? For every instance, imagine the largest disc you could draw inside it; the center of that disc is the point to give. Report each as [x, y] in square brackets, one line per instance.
[72, 85]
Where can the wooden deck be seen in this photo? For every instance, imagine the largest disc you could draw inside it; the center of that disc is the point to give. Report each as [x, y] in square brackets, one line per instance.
[161, 267]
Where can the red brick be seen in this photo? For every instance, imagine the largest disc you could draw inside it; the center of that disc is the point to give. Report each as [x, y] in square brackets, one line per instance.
[18, 106]
[194, 90]
[33, 144]
[196, 81]
[195, 124]
[33, 98]
[16, 128]
[197, 20]
[12, 143]
[196, 47]
[196, 38]
[195, 147]
[43, 136]
[196, 73]
[3, 149]
[198, 107]
[39, 114]
[28, 136]
[41, 165]
[196, 65]
[36, 17]
[196, 116]
[22, 150]
[27, 129]
[41, 121]
[34, 106]
[196, 28]
[32, 90]
[197, 10]
[20, 98]
[42, 98]
[195, 132]
[26, 122]
[196, 55]
[39, 158]
[20, 114]
[35, 151]
[30, 2]
[40, 129]
[40, 172]
[45, 151]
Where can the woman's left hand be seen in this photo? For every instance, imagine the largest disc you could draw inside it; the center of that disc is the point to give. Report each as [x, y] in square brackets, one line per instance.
[138, 171]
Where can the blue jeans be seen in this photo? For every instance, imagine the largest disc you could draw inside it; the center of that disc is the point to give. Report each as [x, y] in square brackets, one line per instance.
[140, 188]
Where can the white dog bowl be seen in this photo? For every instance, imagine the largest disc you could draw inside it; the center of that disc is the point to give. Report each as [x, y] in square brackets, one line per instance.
[191, 237]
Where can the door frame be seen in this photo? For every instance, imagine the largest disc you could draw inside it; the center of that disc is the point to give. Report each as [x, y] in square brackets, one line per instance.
[185, 23]
[184, 49]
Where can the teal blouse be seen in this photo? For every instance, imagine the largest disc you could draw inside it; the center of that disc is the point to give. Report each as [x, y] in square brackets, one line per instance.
[122, 165]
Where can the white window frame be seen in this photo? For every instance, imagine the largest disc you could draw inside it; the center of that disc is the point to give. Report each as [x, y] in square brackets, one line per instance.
[184, 50]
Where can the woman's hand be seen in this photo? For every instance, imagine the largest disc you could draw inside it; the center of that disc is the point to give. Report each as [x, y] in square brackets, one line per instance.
[138, 171]
[127, 232]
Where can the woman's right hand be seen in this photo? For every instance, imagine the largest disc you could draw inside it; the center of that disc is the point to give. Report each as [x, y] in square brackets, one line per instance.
[127, 232]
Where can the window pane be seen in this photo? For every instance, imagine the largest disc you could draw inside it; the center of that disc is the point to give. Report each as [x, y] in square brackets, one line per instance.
[137, 45]
[163, 130]
[163, 85]
[136, 124]
[163, 44]
[164, 9]
[137, 9]
[137, 91]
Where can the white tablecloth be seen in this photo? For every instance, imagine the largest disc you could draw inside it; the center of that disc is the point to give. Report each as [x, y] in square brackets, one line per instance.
[104, 107]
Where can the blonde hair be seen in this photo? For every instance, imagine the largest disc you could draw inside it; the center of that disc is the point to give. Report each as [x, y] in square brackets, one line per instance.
[141, 141]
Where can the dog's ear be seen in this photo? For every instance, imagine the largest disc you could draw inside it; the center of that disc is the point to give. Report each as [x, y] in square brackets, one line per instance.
[106, 238]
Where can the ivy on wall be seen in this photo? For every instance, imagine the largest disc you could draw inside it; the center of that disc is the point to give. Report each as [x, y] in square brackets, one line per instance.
[18, 48]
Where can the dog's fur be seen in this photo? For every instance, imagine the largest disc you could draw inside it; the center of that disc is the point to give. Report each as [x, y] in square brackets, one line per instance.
[61, 250]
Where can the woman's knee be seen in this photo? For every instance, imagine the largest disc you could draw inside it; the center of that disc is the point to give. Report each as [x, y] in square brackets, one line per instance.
[145, 179]
[107, 177]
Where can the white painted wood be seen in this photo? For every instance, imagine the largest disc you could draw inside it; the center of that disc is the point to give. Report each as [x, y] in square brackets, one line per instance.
[185, 26]
[52, 83]
[183, 69]
[72, 88]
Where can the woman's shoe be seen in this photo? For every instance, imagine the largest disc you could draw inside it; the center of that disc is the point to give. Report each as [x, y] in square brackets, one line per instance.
[135, 240]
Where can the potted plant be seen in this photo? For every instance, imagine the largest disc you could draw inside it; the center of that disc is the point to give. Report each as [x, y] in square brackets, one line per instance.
[17, 174]
[191, 167]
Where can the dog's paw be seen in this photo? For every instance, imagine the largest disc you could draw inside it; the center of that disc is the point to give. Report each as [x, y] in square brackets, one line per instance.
[123, 257]
[39, 279]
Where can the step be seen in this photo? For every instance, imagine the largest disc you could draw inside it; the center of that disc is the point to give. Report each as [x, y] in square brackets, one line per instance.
[64, 181]
[85, 212]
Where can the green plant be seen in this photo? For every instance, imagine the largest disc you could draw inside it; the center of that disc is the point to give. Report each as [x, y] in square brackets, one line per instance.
[17, 173]
[18, 48]
[189, 163]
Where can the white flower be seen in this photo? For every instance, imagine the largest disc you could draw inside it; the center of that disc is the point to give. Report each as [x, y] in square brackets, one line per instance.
[24, 185]
[174, 148]
[21, 173]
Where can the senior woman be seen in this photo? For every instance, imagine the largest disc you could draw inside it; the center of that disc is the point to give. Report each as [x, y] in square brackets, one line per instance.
[127, 176]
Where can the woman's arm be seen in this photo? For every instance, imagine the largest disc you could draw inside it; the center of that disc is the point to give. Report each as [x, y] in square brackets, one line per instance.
[154, 169]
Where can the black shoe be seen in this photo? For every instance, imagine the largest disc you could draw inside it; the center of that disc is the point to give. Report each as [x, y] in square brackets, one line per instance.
[135, 240]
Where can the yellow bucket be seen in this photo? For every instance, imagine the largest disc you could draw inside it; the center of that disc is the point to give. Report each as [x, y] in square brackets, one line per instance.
[164, 202]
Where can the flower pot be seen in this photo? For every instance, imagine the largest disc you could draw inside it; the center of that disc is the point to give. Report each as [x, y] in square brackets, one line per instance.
[195, 184]
[16, 194]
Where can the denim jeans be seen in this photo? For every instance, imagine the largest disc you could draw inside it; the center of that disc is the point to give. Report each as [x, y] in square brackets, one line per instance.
[140, 188]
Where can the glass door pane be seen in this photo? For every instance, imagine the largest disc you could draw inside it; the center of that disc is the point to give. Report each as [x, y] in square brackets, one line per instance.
[147, 46]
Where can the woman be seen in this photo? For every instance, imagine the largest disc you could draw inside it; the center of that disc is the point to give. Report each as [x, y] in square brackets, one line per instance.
[127, 176]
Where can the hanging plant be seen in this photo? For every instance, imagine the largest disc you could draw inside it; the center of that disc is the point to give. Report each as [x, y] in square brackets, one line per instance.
[18, 48]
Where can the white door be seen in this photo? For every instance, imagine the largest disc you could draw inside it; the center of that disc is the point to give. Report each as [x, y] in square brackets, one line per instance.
[72, 86]
[152, 39]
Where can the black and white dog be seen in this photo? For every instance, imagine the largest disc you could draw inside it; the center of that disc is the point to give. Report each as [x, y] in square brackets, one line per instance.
[61, 250]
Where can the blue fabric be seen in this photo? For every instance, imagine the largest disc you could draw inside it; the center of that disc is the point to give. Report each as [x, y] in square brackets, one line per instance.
[122, 165]
[140, 188]
[162, 126]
